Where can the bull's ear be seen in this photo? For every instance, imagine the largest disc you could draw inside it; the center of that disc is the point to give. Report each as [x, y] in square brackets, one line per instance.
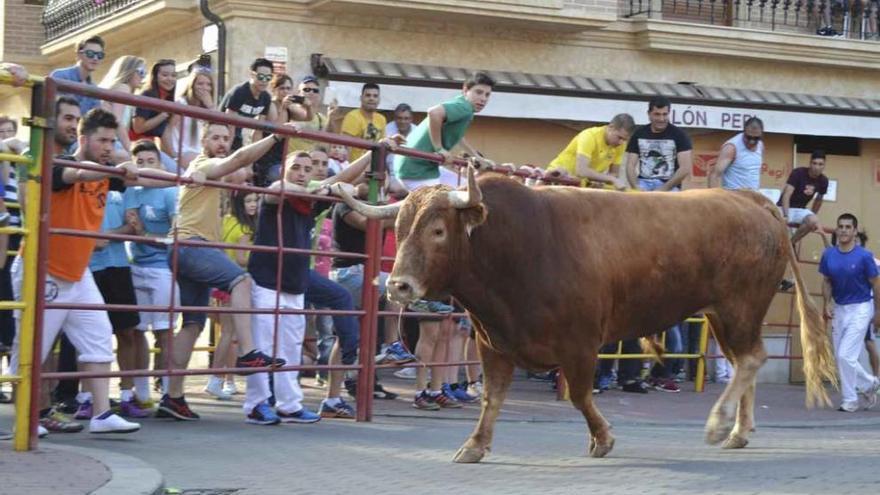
[473, 217]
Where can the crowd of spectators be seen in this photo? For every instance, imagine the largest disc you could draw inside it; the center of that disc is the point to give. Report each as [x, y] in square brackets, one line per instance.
[146, 151]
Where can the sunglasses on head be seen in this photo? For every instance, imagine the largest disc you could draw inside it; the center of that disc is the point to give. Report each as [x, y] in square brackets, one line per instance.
[141, 71]
[92, 54]
[263, 77]
[311, 90]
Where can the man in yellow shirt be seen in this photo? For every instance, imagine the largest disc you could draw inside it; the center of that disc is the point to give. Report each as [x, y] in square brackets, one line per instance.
[595, 154]
[365, 122]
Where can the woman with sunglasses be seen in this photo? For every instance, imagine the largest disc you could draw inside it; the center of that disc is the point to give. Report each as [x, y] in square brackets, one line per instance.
[126, 74]
[199, 92]
[151, 124]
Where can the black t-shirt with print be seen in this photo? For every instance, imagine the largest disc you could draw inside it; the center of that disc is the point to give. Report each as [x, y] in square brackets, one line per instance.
[241, 100]
[658, 151]
[805, 187]
[347, 238]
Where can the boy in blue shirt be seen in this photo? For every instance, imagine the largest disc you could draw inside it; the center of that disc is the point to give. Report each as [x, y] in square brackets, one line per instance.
[851, 291]
[151, 211]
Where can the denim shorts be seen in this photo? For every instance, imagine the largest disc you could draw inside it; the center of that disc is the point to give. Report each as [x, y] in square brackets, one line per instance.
[352, 278]
[200, 269]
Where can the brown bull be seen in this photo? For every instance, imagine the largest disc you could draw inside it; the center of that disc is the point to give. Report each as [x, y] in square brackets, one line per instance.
[550, 274]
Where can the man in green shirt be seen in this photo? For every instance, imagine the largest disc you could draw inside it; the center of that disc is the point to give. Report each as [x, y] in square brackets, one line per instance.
[442, 130]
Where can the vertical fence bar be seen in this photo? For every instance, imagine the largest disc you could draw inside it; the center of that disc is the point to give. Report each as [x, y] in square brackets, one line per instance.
[370, 296]
[37, 249]
[25, 426]
[700, 378]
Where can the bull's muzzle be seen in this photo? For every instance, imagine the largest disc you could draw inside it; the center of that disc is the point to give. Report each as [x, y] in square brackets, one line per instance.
[403, 289]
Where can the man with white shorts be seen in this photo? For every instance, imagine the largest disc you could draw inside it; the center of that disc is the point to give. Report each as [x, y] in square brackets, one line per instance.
[850, 278]
[297, 222]
[803, 185]
[154, 209]
[78, 203]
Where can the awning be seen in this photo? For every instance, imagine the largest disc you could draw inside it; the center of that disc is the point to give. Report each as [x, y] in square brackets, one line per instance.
[541, 96]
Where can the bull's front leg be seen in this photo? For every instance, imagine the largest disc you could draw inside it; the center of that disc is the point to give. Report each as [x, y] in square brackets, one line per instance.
[579, 370]
[497, 375]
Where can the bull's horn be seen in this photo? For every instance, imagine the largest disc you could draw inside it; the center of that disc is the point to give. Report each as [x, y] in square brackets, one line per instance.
[470, 198]
[369, 211]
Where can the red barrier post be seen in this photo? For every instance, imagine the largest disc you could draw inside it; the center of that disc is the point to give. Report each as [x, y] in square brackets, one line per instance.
[370, 296]
[48, 113]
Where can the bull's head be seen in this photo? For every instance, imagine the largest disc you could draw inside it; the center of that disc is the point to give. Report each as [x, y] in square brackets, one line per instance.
[433, 228]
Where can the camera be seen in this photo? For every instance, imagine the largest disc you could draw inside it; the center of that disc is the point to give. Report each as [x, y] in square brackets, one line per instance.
[297, 99]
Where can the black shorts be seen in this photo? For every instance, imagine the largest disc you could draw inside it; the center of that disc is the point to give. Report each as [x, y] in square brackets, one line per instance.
[116, 288]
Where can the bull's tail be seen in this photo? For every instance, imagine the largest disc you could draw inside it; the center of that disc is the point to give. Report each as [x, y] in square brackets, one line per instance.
[818, 356]
[651, 346]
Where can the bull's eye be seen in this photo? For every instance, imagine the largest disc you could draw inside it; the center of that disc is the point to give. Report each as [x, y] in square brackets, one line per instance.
[438, 232]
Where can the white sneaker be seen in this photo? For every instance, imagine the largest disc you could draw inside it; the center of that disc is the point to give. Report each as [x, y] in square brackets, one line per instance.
[406, 373]
[112, 424]
[230, 388]
[41, 431]
[848, 407]
[476, 388]
[215, 388]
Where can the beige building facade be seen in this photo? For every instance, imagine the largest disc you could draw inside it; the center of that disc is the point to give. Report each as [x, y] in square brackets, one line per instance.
[536, 44]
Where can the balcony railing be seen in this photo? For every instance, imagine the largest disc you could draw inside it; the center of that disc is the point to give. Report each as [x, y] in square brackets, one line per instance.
[848, 18]
[65, 16]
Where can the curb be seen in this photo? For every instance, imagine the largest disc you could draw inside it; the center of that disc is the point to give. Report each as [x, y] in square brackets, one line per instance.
[129, 475]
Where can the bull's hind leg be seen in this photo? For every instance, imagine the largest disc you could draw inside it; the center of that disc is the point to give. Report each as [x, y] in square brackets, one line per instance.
[739, 340]
[497, 374]
[579, 372]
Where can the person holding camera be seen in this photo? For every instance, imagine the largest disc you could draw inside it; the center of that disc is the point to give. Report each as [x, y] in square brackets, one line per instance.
[285, 106]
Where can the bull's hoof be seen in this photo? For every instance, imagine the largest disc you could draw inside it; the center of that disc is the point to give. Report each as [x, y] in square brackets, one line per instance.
[598, 450]
[717, 431]
[467, 455]
[735, 442]
[718, 428]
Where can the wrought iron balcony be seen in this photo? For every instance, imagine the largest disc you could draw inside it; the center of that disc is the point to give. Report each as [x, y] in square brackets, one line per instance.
[65, 16]
[847, 18]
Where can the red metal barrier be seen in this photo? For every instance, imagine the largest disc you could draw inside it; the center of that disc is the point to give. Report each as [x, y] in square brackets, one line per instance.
[370, 297]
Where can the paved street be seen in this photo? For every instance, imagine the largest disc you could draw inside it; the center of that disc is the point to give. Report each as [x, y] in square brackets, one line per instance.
[539, 448]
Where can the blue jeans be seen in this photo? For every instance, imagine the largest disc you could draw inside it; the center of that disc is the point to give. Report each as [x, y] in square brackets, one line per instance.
[200, 269]
[352, 278]
[325, 293]
[674, 345]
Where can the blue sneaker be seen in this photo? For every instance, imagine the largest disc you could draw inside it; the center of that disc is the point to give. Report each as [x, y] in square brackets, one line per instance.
[423, 306]
[440, 308]
[262, 415]
[605, 382]
[395, 354]
[303, 416]
[459, 391]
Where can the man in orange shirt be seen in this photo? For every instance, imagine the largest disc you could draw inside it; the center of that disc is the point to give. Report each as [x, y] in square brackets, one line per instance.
[78, 198]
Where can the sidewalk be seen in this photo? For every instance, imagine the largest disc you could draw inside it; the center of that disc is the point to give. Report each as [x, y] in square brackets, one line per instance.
[56, 469]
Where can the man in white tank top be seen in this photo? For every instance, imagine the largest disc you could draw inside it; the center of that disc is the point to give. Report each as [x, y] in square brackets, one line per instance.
[740, 160]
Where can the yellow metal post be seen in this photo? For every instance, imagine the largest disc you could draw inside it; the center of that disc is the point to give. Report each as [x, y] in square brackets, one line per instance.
[23, 398]
[700, 379]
